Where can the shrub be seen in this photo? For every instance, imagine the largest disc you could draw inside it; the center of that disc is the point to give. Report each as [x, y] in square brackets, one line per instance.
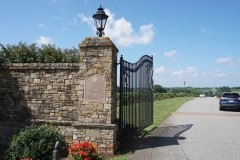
[84, 151]
[35, 142]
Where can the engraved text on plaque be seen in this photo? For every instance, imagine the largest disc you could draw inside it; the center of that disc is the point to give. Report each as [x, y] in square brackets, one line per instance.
[95, 88]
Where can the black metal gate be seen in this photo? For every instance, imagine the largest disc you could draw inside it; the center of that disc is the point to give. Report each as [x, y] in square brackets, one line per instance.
[136, 98]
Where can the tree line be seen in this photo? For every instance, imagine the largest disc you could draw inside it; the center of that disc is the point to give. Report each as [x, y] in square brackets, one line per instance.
[194, 91]
[24, 53]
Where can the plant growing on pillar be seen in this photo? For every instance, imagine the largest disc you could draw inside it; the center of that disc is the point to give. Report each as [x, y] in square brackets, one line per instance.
[84, 151]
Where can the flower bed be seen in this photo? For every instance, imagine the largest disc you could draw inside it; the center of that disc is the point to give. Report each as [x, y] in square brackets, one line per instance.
[83, 151]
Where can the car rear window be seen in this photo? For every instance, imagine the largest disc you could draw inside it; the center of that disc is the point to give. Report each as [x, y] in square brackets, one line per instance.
[230, 95]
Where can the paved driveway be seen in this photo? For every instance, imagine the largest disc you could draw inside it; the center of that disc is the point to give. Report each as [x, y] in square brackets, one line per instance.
[196, 131]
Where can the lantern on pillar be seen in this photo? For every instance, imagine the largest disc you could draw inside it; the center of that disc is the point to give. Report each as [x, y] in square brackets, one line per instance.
[100, 19]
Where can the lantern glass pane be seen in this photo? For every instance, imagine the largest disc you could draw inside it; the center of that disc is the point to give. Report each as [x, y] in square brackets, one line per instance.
[103, 23]
[97, 23]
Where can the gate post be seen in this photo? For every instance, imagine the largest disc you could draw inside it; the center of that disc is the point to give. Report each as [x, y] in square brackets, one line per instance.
[98, 94]
[121, 97]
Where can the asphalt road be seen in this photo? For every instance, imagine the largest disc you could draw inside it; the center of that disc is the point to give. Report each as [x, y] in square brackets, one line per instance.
[196, 131]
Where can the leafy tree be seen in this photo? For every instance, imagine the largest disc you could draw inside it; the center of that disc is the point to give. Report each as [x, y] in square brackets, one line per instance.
[210, 94]
[159, 89]
[196, 91]
[118, 89]
[221, 90]
[177, 90]
[224, 89]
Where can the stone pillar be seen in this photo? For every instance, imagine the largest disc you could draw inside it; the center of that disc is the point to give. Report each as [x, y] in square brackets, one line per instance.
[98, 94]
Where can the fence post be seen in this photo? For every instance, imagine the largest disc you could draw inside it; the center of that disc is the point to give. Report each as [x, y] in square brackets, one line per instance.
[55, 154]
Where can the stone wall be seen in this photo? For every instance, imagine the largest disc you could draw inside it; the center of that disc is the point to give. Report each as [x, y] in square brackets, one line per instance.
[54, 93]
[49, 91]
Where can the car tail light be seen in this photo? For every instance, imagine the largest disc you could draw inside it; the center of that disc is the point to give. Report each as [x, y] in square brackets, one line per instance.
[239, 98]
[222, 98]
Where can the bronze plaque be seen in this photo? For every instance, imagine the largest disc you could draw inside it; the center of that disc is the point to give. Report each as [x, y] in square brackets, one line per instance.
[95, 88]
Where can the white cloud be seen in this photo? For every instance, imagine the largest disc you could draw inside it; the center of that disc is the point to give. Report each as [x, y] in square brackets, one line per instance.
[57, 18]
[191, 69]
[195, 75]
[203, 30]
[61, 10]
[215, 74]
[224, 60]
[64, 29]
[160, 70]
[221, 75]
[231, 64]
[153, 54]
[171, 54]
[88, 20]
[44, 40]
[121, 31]
[41, 25]
[178, 74]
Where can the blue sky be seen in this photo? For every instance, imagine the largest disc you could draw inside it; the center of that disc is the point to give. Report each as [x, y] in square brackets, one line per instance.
[192, 41]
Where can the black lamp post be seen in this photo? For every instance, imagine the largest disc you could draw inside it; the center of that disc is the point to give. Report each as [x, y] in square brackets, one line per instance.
[184, 92]
[100, 19]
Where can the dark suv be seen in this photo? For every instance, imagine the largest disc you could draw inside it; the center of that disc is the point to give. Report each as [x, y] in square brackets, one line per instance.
[229, 100]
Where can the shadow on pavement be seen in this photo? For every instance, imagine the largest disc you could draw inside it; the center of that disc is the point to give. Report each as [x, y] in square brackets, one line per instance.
[231, 110]
[164, 136]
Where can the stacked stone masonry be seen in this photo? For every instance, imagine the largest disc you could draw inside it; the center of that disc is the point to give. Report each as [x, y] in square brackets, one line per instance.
[54, 93]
